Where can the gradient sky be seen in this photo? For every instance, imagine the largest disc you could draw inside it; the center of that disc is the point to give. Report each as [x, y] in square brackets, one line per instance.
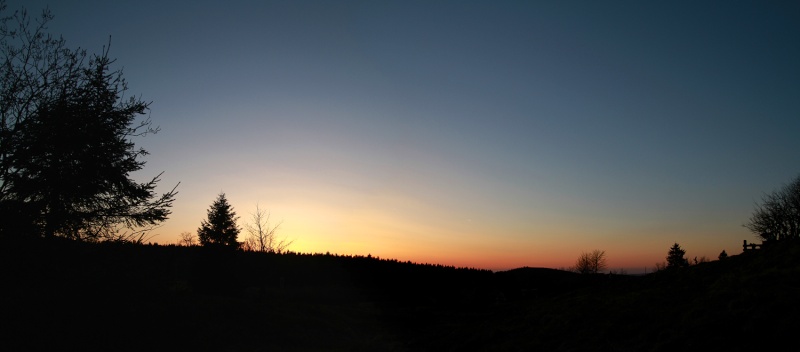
[488, 134]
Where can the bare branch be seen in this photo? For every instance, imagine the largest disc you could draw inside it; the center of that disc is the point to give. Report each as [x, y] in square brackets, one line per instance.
[591, 262]
[261, 234]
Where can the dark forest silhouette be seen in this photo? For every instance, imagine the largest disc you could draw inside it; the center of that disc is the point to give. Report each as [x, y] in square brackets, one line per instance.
[153, 297]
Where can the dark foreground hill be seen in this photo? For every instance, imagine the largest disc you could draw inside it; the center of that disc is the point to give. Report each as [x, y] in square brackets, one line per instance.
[59, 295]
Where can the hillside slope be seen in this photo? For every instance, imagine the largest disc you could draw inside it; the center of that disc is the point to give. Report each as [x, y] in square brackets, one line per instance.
[116, 297]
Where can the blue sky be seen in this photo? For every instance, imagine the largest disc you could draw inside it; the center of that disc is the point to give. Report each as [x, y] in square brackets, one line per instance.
[470, 133]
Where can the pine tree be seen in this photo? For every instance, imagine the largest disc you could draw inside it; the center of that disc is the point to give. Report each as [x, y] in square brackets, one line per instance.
[675, 257]
[66, 142]
[220, 228]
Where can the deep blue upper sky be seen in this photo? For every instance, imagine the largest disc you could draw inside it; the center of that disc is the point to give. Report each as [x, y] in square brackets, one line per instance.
[528, 131]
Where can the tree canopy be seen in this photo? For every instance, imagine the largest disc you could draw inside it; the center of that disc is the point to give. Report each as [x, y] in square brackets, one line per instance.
[66, 141]
[220, 228]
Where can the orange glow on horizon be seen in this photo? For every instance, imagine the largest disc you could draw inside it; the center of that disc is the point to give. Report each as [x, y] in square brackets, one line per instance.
[324, 220]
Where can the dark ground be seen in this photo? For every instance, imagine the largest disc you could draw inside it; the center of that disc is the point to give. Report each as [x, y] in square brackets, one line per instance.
[59, 295]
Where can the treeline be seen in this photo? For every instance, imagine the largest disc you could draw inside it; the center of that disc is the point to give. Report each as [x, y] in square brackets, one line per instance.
[222, 272]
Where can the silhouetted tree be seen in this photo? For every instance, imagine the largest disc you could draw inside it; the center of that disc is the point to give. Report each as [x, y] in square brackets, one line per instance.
[591, 262]
[778, 216]
[723, 255]
[187, 239]
[220, 228]
[261, 234]
[66, 149]
[675, 257]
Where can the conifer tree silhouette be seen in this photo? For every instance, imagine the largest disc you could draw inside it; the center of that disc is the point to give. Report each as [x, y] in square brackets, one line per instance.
[66, 141]
[220, 228]
[675, 257]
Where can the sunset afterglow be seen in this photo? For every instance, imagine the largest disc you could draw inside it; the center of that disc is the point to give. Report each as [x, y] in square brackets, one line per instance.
[491, 135]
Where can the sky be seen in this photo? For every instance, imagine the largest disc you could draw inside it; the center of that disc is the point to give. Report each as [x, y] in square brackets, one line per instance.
[485, 134]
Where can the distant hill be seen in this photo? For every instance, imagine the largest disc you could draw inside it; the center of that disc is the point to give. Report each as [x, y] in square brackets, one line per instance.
[527, 281]
[747, 302]
[67, 295]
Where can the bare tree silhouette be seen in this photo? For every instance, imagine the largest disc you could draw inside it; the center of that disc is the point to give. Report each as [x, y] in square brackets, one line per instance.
[261, 234]
[187, 239]
[591, 262]
[778, 215]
